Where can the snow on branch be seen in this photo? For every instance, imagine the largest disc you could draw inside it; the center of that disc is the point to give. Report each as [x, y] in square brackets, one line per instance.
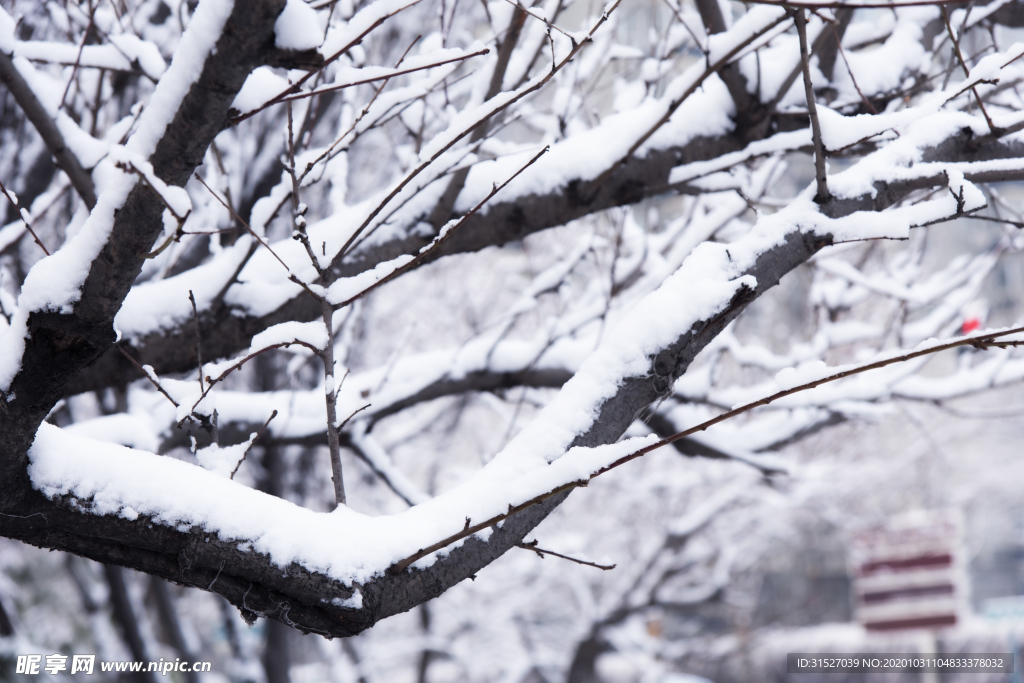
[351, 186]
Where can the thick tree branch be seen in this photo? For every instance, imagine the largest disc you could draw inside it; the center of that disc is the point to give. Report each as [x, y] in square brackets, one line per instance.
[300, 597]
[60, 344]
[225, 331]
[47, 129]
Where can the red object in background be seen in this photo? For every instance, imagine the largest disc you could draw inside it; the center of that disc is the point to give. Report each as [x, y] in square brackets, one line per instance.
[970, 325]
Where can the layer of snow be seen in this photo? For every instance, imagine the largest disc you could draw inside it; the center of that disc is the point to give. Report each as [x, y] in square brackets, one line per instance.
[54, 283]
[222, 461]
[838, 132]
[311, 334]
[297, 27]
[124, 51]
[197, 43]
[345, 288]
[755, 21]
[8, 41]
[345, 33]
[119, 481]
[261, 86]
[176, 198]
[164, 304]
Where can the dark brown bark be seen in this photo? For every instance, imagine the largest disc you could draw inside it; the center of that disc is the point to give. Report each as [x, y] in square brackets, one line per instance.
[63, 344]
[295, 595]
[225, 332]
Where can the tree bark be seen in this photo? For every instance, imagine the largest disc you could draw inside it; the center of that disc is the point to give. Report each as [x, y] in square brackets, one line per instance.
[62, 344]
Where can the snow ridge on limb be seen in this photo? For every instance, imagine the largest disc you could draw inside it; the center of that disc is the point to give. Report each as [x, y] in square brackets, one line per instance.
[547, 196]
[593, 398]
[384, 593]
[511, 219]
[648, 366]
[70, 299]
[633, 368]
[391, 592]
[759, 260]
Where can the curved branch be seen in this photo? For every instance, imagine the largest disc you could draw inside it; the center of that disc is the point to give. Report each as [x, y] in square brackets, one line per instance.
[226, 331]
[312, 601]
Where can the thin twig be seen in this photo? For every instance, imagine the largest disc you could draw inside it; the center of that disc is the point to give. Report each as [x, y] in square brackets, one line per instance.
[532, 545]
[199, 356]
[207, 232]
[696, 41]
[240, 220]
[471, 529]
[1016, 224]
[331, 402]
[822, 194]
[829, 30]
[538, 83]
[353, 414]
[238, 366]
[294, 88]
[23, 214]
[78, 59]
[365, 110]
[298, 208]
[542, 19]
[251, 443]
[967, 73]
[147, 375]
[342, 86]
[853, 79]
[443, 236]
[212, 381]
[675, 104]
[980, 341]
[442, 211]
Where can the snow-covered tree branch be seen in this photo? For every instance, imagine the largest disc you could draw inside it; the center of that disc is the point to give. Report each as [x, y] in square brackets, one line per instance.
[240, 200]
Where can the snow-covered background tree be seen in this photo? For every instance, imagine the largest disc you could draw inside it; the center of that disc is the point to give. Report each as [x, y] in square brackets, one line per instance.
[322, 308]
